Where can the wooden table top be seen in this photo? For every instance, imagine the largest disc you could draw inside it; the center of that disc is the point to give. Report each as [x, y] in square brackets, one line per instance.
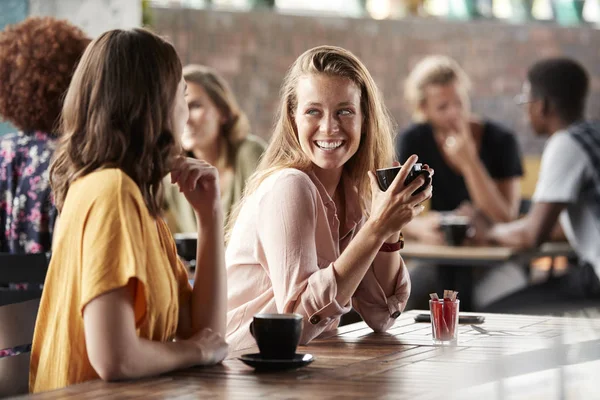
[484, 256]
[514, 357]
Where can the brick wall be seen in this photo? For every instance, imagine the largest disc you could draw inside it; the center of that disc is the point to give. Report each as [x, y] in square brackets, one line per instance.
[253, 51]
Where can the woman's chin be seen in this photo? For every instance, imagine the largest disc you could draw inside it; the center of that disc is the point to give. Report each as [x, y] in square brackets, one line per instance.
[328, 166]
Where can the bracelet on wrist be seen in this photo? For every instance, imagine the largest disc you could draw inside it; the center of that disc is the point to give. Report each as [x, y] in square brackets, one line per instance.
[392, 247]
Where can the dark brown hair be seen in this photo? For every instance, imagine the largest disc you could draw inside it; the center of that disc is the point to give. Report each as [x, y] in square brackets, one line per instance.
[117, 113]
[37, 60]
[236, 126]
[564, 83]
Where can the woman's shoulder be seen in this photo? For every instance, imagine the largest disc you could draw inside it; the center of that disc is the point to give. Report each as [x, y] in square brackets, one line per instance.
[287, 183]
[289, 178]
[288, 188]
[251, 147]
[108, 183]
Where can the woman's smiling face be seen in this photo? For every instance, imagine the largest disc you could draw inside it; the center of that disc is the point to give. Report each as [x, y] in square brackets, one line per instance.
[329, 120]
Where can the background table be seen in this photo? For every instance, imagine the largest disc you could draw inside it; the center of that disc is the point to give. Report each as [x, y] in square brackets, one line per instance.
[355, 363]
[480, 256]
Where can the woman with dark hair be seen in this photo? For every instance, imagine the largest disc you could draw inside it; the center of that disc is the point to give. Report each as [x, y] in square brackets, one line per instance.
[128, 295]
[218, 132]
[37, 59]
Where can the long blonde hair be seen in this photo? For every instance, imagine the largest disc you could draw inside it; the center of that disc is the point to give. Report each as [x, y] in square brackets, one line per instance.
[236, 126]
[284, 151]
[433, 70]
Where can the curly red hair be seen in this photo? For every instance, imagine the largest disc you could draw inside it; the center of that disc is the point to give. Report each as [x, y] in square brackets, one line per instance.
[37, 60]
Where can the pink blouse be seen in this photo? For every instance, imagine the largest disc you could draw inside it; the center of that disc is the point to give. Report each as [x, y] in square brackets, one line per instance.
[280, 260]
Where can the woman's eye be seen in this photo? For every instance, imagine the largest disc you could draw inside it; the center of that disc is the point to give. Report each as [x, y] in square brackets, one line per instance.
[312, 111]
[345, 112]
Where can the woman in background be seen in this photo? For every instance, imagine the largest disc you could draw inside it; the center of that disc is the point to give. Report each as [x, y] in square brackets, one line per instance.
[116, 296]
[37, 60]
[218, 132]
[475, 160]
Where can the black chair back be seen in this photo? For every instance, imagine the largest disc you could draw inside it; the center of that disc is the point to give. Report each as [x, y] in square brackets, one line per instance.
[21, 280]
[17, 322]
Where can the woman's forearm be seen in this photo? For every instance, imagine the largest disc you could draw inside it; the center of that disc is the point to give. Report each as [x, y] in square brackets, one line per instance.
[114, 349]
[209, 297]
[386, 267]
[147, 358]
[355, 260]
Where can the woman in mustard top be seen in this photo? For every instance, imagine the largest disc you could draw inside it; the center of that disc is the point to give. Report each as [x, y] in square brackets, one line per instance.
[117, 303]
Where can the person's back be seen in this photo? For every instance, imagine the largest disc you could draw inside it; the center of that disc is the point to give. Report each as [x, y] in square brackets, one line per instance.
[105, 238]
[27, 214]
[37, 59]
[570, 174]
[116, 294]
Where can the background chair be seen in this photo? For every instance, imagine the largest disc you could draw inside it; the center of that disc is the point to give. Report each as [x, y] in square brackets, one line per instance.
[18, 312]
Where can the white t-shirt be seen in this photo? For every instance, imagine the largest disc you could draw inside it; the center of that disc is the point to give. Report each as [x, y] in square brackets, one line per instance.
[566, 176]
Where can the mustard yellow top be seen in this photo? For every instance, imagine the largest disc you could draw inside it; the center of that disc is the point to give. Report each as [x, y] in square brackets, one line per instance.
[105, 238]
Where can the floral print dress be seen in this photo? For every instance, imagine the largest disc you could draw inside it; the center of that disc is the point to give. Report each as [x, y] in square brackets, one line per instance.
[27, 212]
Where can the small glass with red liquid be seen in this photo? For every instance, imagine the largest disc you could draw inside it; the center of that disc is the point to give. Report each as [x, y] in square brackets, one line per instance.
[444, 321]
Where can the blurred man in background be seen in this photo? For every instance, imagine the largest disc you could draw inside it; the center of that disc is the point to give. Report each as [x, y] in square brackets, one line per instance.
[567, 191]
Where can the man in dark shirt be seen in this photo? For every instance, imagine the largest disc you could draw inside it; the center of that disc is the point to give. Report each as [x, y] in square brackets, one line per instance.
[476, 161]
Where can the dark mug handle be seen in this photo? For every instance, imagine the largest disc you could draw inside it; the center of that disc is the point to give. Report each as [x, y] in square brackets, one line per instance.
[251, 327]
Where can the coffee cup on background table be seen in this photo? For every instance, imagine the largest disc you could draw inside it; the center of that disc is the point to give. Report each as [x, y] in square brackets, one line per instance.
[455, 228]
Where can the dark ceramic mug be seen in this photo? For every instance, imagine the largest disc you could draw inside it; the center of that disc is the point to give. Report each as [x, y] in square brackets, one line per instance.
[277, 335]
[386, 176]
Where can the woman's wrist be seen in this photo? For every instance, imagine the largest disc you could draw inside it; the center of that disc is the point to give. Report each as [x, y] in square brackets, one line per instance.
[208, 219]
[394, 238]
[375, 231]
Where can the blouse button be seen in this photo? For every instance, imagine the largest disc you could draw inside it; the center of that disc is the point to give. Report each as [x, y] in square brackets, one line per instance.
[315, 319]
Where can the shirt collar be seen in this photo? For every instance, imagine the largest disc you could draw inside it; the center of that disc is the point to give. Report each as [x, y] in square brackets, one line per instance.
[353, 208]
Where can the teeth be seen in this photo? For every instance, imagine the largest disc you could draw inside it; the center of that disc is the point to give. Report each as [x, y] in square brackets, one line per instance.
[329, 145]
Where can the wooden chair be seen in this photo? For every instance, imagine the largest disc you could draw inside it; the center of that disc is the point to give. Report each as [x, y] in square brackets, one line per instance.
[18, 312]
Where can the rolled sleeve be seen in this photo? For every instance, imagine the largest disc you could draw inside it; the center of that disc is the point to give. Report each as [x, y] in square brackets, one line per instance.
[321, 305]
[376, 309]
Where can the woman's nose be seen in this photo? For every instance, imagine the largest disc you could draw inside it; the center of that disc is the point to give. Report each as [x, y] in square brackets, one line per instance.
[330, 125]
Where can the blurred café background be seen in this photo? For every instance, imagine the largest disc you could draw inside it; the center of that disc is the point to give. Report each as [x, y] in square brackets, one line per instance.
[253, 42]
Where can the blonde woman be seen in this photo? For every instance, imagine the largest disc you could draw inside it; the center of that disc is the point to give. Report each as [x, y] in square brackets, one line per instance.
[217, 132]
[314, 234]
[475, 160]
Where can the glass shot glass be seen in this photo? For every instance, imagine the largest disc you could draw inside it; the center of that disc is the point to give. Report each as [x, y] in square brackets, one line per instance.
[444, 321]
